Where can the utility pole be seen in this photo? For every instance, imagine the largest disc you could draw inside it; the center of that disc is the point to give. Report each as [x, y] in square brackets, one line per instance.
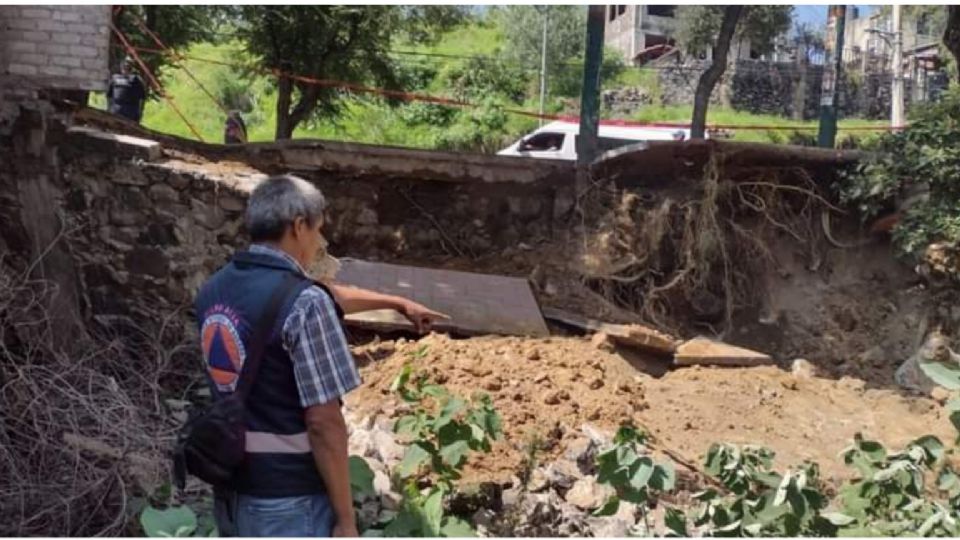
[543, 64]
[589, 102]
[831, 75]
[896, 92]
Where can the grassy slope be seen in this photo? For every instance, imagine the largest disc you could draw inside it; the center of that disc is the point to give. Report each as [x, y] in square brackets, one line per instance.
[369, 120]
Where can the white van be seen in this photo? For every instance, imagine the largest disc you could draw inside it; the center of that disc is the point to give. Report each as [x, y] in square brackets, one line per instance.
[558, 140]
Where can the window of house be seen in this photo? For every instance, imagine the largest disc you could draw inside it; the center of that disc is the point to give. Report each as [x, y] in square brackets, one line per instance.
[621, 10]
[542, 142]
[611, 12]
[661, 11]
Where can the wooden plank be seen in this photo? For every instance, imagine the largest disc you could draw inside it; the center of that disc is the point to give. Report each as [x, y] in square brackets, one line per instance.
[630, 335]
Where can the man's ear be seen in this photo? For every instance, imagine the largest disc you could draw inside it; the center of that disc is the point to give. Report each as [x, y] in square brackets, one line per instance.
[298, 227]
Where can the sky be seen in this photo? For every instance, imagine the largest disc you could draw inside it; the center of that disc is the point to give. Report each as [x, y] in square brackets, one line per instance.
[816, 14]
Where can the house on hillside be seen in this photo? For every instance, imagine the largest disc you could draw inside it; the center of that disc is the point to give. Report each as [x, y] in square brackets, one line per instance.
[868, 46]
[642, 33]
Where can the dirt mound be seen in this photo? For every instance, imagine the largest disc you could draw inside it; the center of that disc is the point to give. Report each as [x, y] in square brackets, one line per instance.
[549, 388]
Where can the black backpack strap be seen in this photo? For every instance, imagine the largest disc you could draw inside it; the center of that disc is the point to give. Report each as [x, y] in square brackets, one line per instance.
[263, 330]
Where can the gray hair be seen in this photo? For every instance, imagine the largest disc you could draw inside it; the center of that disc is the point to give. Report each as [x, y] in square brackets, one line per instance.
[277, 201]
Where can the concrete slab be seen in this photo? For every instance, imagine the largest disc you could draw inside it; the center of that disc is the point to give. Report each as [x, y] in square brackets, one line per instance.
[123, 145]
[705, 351]
[630, 335]
[476, 303]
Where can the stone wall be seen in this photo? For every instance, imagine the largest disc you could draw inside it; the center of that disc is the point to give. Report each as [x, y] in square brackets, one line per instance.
[147, 234]
[55, 46]
[775, 88]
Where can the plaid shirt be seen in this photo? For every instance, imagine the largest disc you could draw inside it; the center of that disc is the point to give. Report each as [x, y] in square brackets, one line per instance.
[312, 336]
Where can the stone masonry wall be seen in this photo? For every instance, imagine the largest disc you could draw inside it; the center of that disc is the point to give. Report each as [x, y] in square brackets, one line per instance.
[55, 46]
[148, 234]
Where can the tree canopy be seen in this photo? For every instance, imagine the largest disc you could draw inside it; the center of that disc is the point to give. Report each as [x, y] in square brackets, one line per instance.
[333, 42]
[698, 26]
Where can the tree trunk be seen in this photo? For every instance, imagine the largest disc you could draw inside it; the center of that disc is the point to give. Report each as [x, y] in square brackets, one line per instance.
[287, 118]
[710, 77]
[284, 98]
[951, 35]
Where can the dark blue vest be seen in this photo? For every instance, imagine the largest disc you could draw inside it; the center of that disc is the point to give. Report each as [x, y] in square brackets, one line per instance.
[278, 461]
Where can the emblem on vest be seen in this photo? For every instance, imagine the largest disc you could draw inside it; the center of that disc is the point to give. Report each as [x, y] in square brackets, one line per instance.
[223, 351]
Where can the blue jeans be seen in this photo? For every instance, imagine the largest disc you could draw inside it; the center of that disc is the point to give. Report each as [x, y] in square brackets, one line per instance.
[248, 516]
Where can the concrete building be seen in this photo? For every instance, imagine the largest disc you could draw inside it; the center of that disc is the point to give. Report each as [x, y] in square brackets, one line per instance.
[868, 45]
[54, 47]
[644, 32]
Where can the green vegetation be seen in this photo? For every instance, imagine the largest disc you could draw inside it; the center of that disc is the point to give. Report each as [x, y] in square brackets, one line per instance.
[471, 62]
[442, 431]
[923, 157]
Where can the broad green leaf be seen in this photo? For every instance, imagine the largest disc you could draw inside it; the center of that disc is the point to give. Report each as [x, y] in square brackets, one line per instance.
[838, 519]
[494, 424]
[872, 449]
[930, 523]
[948, 481]
[955, 420]
[407, 425]
[401, 379]
[627, 434]
[676, 522]
[753, 529]
[781, 495]
[405, 524]
[166, 523]
[664, 477]
[942, 374]
[609, 508]
[416, 455]
[453, 453]
[454, 527]
[450, 409]
[452, 432]
[642, 471]
[372, 533]
[953, 404]
[361, 476]
[433, 512]
[932, 447]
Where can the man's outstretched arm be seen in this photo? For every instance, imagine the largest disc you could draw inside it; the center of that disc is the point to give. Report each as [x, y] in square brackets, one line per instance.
[355, 299]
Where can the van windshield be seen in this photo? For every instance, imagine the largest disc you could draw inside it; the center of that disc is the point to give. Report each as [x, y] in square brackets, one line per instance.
[543, 141]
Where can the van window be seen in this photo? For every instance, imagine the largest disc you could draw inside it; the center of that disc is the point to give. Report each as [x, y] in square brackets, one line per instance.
[543, 141]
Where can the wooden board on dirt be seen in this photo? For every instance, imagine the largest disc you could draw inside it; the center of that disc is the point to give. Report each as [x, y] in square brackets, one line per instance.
[630, 335]
[476, 303]
[705, 351]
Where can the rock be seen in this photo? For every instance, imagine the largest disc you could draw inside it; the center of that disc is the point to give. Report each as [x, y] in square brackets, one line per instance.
[367, 216]
[588, 494]
[583, 452]
[534, 355]
[562, 474]
[601, 438]
[940, 394]
[803, 369]
[608, 527]
[231, 203]
[539, 480]
[381, 482]
[163, 193]
[360, 443]
[602, 342]
[596, 384]
[935, 348]
[387, 448]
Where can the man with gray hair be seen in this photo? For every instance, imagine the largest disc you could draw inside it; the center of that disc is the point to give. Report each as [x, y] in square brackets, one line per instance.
[294, 478]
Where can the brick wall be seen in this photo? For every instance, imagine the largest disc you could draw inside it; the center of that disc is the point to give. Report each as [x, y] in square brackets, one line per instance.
[54, 46]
